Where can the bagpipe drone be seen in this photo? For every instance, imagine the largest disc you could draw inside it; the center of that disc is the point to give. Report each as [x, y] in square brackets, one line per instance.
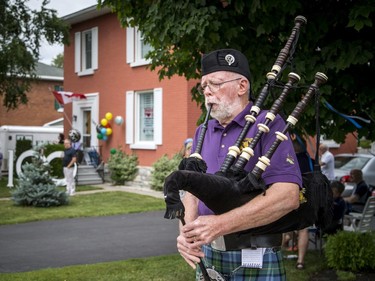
[232, 186]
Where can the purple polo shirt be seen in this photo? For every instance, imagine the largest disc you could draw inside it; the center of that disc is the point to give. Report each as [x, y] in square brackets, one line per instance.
[284, 166]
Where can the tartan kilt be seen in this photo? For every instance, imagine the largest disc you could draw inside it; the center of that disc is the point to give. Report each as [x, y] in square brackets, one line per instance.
[228, 264]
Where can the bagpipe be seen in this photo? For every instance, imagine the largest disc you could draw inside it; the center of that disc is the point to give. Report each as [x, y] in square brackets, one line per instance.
[232, 186]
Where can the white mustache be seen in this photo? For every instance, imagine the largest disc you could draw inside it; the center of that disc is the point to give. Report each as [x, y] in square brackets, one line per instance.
[211, 102]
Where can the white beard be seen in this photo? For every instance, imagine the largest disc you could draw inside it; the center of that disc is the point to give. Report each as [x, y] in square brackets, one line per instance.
[225, 111]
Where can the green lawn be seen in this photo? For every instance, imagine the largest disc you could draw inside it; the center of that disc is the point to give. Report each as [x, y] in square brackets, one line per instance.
[98, 204]
[164, 268]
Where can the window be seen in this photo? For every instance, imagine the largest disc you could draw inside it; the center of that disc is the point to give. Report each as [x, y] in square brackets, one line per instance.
[86, 51]
[144, 119]
[136, 48]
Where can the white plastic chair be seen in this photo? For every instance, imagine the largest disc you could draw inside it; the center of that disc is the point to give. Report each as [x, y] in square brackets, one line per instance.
[361, 222]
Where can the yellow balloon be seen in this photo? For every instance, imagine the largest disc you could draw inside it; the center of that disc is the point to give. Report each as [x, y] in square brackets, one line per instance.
[108, 116]
[109, 131]
[104, 122]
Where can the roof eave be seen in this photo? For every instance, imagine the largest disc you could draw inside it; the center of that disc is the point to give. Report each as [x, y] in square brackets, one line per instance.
[85, 14]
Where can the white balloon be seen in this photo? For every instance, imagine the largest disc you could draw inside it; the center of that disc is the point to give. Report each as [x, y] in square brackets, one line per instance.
[119, 120]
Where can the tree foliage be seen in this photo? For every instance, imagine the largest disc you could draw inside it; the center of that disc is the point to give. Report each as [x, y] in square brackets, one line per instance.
[337, 40]
[21, 33]
[58, 61]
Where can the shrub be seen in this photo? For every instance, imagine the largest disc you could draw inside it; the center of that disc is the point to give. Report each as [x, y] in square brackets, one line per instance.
[35, 186]
[351, 251]
[162, 168]
[122, 167]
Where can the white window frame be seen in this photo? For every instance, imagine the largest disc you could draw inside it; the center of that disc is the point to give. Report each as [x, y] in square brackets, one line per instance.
[79, 52]
[132, 108]
[134, 44]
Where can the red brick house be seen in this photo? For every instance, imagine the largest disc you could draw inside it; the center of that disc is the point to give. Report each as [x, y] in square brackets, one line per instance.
[41, 107]
[106, 63]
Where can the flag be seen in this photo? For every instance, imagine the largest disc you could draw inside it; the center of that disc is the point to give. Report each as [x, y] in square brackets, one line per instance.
[350, 118]
[67, 97]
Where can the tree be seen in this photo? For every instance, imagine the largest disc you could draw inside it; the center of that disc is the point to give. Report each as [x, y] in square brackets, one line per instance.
[58, 61]
[36, 187]
[337, 40]
[21, 33]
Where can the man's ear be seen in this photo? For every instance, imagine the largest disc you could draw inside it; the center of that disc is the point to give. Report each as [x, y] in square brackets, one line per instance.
[243, 87]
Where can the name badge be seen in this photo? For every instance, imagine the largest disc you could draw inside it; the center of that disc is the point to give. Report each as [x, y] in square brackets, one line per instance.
[252, 258]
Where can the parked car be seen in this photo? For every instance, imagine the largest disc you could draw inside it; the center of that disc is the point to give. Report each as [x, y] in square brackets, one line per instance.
[344, 163]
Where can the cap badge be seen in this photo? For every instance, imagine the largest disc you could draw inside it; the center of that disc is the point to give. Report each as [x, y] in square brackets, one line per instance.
[229, 59]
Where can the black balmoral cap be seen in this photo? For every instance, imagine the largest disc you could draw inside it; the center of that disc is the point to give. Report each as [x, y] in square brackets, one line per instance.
[225, 60]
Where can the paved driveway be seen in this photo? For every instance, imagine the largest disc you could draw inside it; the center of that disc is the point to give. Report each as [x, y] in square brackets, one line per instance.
[58, 243]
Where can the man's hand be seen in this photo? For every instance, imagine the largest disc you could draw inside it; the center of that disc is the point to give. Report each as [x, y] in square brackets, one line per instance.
[189, 250]
[202, 231]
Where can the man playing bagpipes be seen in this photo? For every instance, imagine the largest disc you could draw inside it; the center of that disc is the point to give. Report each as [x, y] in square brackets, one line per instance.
[225, 85]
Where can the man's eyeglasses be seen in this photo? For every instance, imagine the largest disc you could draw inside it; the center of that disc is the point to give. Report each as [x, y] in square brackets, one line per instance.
[213, 86]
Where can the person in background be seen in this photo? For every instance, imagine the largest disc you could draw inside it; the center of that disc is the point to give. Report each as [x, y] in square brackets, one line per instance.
[225, 85]
[306, 165]
[186, 151]
[61, 138]
[356, 201]
[68, 166]
[327, 162]
[339, 208]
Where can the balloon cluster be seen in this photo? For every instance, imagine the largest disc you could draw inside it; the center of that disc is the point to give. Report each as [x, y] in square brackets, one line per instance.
[104, 129]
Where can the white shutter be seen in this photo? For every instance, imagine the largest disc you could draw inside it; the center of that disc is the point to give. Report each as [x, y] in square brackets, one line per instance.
[95, 43]
[77, 52]
[158, 115]
[130, 44]
[129, 120]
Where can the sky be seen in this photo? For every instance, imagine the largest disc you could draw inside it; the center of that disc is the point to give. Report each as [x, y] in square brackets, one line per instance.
[63, 7]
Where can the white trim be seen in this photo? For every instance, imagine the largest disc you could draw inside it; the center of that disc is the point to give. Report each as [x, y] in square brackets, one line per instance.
[140, 63]
[144, 145]
[129, 128]
[92, 102]
[86, 72]
[54, 122]
[130, 45]
[158, 116]
[50, 78]
[95, 46]
[77, 52]
[40, 77]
